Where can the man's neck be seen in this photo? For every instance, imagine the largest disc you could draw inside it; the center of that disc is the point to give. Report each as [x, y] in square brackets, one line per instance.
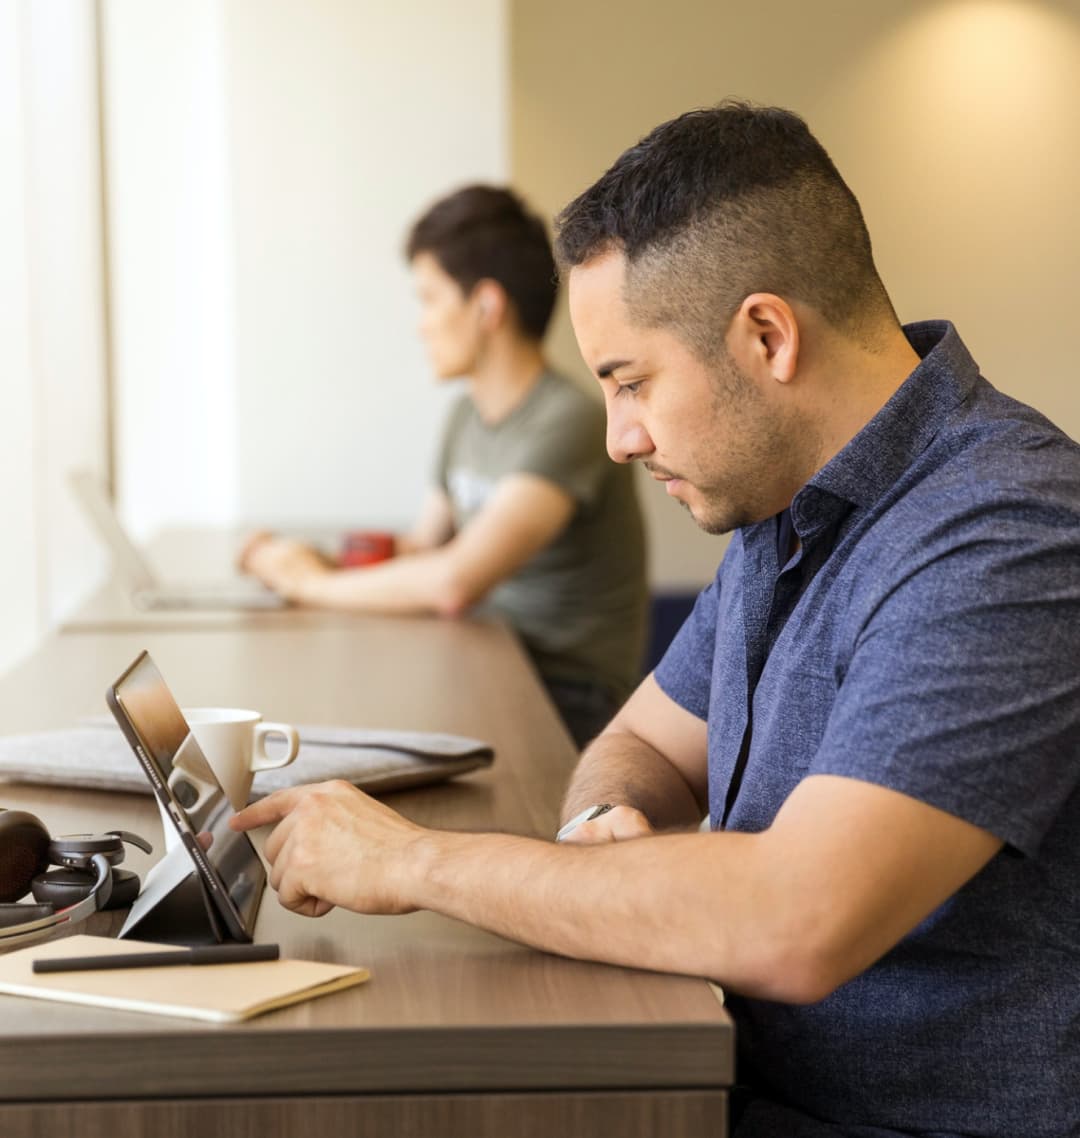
[861, 383]
[507, 371]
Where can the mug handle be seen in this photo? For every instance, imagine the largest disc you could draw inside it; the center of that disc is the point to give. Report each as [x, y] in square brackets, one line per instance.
[260, 760]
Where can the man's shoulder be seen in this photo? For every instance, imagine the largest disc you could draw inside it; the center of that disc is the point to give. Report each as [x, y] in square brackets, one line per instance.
[997, 451]
[989, 416]
[986, 516]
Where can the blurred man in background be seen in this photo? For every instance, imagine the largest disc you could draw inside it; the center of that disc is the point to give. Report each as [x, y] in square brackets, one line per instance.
[527, 517]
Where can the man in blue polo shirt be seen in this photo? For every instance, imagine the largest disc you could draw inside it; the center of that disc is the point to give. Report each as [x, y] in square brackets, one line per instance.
[877, 701]
[883, 675]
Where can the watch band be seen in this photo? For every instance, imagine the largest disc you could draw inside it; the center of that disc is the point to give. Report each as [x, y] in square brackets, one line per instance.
[587, 815]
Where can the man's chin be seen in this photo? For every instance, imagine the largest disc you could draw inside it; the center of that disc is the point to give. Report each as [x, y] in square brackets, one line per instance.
[447, 369]
[714, 526]
[708, 522]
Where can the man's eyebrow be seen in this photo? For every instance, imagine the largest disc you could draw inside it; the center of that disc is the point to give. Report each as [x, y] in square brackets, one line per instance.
[604, 370]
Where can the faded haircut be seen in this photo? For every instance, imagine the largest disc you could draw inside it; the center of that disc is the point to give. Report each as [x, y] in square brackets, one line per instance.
[718, 204]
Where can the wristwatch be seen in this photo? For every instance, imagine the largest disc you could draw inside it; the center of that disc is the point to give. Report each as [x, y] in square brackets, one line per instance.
[587, 815]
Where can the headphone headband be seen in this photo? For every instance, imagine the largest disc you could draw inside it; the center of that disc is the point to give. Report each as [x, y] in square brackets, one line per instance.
[77, 849]
[71, 894]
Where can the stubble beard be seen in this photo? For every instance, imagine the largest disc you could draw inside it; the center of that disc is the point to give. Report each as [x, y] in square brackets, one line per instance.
[730, 503]
[719, 518]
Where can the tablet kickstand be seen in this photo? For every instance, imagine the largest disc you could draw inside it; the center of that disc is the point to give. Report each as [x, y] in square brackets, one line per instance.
[173, 907]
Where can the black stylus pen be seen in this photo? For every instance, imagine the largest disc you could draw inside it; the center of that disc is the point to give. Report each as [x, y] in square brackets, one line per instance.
[201, 954]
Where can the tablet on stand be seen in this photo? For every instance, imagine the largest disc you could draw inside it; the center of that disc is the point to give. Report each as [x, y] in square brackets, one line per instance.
[208, 887]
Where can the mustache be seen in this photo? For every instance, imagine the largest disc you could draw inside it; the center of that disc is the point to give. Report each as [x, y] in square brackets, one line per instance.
[659, 471]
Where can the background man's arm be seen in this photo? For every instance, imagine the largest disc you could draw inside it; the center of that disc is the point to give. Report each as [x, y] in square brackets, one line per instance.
[434, 525]
[524, 514]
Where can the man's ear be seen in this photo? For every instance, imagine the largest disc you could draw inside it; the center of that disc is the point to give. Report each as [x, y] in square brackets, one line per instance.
[490, 300]
[763, 337]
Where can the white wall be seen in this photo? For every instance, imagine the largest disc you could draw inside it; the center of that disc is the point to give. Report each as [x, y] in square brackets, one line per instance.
[171, 258]
[264, 159]
[19, 618]
[64, 237]
[52, 343]
[346, 119]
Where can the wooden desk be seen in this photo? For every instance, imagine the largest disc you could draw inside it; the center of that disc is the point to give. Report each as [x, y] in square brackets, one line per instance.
[459, 1032]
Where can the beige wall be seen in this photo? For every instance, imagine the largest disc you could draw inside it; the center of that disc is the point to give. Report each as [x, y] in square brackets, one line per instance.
[955, 123]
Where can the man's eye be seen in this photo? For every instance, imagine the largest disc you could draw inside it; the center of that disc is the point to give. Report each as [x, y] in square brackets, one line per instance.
[630, 388]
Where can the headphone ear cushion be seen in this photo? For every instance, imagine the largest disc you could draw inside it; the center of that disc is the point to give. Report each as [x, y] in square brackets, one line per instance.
[24, 852]
[125, 888]
[63, 887]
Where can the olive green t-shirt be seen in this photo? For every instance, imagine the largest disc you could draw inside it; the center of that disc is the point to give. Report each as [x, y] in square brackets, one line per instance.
[579, 605]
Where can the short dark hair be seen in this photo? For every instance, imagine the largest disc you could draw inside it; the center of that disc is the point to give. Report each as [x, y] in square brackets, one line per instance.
[718, 204]
[487, 233]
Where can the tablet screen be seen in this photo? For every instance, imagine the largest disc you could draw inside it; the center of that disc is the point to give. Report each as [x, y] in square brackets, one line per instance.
[190, 783]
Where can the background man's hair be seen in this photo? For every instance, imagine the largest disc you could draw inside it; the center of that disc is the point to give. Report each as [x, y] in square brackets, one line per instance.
[487, 233]
[720, 203]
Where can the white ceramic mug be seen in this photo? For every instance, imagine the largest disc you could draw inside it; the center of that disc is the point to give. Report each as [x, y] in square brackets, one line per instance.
[234, 741]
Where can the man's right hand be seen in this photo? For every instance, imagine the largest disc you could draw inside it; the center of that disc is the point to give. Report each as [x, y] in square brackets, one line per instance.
[332, 845]
[614, 825]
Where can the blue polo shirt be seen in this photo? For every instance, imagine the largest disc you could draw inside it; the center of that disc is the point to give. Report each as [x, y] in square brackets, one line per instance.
[926, 638]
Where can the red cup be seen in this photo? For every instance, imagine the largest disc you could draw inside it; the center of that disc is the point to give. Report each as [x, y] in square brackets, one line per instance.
[366, 547]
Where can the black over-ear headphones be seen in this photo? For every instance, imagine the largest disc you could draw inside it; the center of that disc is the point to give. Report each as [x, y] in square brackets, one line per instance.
[85, 882]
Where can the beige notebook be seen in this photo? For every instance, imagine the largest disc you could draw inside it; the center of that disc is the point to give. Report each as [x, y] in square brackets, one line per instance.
[221, 993]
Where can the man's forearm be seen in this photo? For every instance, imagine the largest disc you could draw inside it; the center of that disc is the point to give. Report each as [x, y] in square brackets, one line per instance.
[411, 584]
[616, 903]
[622, 769]
[843, 873]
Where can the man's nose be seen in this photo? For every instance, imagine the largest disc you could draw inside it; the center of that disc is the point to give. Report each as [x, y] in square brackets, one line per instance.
[627, 439]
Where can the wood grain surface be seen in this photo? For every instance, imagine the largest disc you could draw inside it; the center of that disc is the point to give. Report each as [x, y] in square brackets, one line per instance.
[455, 1020]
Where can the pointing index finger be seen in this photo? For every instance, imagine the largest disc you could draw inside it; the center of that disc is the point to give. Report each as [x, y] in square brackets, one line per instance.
[265, 811]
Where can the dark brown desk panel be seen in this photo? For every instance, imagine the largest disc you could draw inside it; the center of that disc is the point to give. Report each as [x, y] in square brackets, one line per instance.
[596, 1114]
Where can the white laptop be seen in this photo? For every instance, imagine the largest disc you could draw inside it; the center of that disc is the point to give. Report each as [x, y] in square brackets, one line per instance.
[147, 592]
